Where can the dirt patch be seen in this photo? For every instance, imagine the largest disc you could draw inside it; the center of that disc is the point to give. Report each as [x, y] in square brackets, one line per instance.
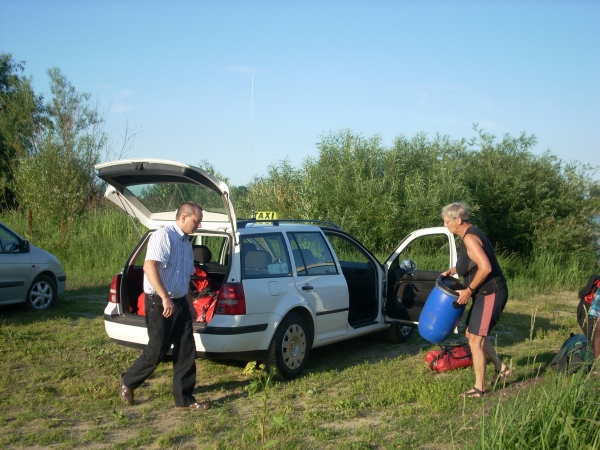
[513, 389]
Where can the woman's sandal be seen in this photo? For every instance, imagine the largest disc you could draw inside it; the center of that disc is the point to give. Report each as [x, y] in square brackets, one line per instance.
[474, 393]
[502, 375]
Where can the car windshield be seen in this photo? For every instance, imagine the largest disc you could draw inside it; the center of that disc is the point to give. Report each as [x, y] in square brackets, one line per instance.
[164, 197]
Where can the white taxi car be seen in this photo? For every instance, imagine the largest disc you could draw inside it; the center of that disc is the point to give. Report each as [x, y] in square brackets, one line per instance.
[284, 287]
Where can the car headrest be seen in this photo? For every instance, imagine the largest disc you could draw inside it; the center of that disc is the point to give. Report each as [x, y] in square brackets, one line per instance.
[202, 254]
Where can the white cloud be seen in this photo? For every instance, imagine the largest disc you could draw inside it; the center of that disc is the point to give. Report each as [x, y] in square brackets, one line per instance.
[120, 108]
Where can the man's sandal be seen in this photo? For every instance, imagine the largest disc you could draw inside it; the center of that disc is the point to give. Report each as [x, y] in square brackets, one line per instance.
[474, 393]
[197, 406]
[502, 375]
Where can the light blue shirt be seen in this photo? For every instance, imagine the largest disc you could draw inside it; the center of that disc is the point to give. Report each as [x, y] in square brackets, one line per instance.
[173, 250]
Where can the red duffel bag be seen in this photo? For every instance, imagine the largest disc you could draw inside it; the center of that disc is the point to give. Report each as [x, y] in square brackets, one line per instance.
[205, 307]
[449, 357]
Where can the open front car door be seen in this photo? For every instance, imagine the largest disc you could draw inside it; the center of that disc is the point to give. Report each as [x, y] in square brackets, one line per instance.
[412, 271]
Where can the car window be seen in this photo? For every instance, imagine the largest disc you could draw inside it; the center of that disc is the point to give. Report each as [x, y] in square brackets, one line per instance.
[140, 256]
[9, 242]
[164, 197]
[430, 253]
[265, 256]
[311, 254]
[216, 244]
[346, 250]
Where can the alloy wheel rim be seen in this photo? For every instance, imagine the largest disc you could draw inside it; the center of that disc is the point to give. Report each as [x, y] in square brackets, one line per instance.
[41, 295]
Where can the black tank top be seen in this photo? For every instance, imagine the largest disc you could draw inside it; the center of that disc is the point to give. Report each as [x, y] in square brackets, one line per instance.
[465, 267]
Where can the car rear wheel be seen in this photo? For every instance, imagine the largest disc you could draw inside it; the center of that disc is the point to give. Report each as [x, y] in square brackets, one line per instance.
[398, 333]
[290, 346]
[41, 294]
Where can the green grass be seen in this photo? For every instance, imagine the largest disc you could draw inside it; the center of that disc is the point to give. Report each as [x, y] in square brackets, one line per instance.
[563, 412]
[60, 371]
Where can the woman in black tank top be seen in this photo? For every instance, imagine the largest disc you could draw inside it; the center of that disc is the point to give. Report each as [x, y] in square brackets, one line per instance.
[478, 265]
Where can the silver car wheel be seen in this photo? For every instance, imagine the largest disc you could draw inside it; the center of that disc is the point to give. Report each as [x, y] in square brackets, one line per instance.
[406, 330]
[398, 333]
[293, 346]
[41, 294]
[290, 347]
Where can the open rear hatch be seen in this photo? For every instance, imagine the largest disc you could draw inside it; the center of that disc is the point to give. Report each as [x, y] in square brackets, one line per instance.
[151, 190]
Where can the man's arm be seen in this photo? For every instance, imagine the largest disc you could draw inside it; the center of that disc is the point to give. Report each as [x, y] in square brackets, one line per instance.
[151, 271]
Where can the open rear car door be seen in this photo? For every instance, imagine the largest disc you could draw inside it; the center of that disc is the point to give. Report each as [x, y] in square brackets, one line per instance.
[151, 190]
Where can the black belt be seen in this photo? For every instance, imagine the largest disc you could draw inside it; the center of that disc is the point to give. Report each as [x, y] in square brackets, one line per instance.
[152, 296]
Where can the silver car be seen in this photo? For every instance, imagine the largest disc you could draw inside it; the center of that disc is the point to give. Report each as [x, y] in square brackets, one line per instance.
[28, 274]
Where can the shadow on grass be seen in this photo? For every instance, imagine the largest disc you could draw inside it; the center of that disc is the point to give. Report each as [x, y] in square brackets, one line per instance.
[511, 329]
[84, 302]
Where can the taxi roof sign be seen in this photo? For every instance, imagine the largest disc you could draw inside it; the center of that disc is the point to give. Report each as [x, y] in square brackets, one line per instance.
[266, 215]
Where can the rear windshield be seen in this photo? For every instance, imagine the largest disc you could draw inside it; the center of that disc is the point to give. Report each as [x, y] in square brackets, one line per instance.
[159, 197]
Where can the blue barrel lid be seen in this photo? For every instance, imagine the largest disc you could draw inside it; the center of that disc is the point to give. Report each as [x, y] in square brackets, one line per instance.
[449, 285]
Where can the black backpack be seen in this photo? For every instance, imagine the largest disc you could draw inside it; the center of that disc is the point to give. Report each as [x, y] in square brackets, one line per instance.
[574, 354]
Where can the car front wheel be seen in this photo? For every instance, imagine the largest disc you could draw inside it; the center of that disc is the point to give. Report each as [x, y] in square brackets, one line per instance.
[398, 333]
[41, 294]
[290, 346]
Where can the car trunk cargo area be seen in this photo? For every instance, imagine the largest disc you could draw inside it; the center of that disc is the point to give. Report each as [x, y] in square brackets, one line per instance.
[204, 284]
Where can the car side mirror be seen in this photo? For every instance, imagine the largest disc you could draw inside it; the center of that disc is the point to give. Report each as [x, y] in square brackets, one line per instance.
[25, 247]
[408, 264]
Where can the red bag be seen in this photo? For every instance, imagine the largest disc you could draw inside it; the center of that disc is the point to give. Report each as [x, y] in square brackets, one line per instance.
[206, 295]
[431, 355]
[589, 298]
[205, 307]
[141, 311]
[201, 283]
[449, 357]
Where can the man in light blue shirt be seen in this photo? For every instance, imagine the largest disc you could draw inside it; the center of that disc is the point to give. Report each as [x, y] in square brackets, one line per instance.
[168, 267]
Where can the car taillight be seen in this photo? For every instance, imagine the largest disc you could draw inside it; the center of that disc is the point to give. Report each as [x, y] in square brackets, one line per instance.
[113, 295]
[231, 300]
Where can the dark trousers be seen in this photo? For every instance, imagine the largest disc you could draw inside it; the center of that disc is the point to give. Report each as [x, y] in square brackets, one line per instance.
[164, 332]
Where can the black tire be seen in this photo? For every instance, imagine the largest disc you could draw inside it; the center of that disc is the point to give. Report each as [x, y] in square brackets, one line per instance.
[289, 348]
[41, 294]
[398, 333]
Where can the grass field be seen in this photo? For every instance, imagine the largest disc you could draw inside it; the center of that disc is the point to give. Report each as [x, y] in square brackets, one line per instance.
[59, 390]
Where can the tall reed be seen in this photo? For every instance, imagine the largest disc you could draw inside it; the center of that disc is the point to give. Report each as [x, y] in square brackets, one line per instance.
[92, 252]
[560, 412]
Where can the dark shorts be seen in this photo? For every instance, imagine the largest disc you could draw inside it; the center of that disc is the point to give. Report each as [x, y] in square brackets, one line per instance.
[485, 312]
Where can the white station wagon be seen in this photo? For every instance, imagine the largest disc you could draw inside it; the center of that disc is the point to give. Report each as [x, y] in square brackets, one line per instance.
[284, 287]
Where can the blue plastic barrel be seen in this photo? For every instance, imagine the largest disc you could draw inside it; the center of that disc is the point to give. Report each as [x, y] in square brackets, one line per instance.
[440, 314]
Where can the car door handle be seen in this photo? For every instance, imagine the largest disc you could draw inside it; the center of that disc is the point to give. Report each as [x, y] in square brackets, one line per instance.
[409, 276]
[307, 287]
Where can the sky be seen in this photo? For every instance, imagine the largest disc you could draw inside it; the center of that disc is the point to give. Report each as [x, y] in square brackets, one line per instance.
[248, 84]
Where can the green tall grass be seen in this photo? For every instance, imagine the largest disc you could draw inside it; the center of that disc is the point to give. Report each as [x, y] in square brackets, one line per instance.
[544, 271]
[92, 251]
[561, 412]
[99, 242]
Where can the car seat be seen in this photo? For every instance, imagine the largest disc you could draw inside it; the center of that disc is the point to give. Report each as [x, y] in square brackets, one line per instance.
[202, 255]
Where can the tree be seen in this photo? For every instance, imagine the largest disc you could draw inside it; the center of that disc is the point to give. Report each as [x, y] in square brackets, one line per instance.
[526, 202]
[22, 116]
[56, 179]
